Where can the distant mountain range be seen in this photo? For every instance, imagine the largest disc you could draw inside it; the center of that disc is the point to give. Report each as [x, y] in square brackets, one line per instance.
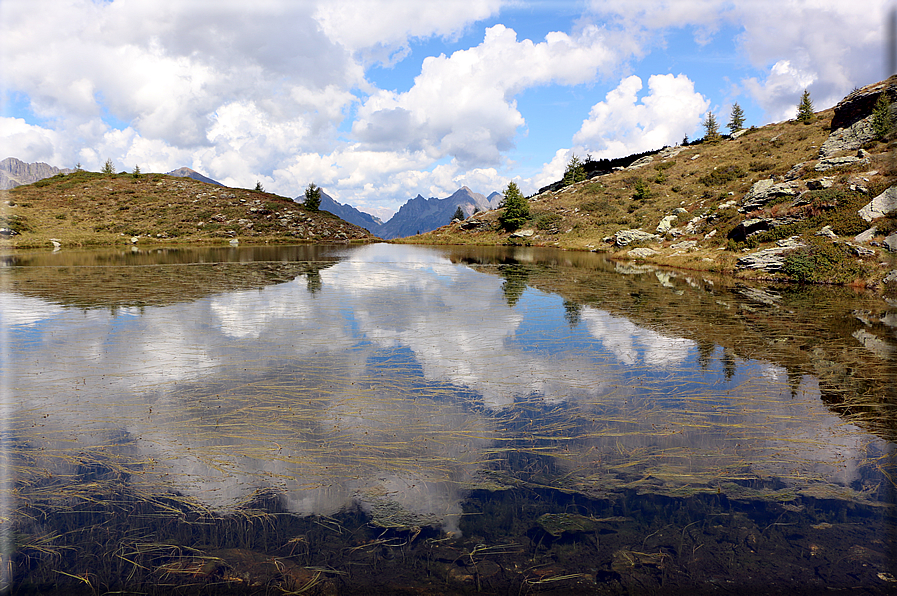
[15, 172]
[416, 216]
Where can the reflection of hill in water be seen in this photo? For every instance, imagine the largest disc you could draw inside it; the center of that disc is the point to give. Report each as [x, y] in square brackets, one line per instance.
[117, 278]
[845, 339]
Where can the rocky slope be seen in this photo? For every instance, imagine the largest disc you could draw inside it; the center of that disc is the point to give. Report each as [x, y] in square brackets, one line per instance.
[15, 172]
[810, 202]
[87, 208]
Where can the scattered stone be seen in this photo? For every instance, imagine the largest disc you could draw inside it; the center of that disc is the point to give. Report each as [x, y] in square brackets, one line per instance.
[135, 239]
[475, 224]
[795, 172]
[891, 242]
[671, 152]
[523, 234]
[882, 205]
[640, 163]
[727, 205]
[641, 253]
[850, 138]
[695, 156]
[827, 232]
[770, 259]
[234, 242]
[665, 224]
[56, 243]
[865, 236]
[763, 191]
[748, 227]
[791, 242]
[710, 234]
[860, 251]
[891, 277]
[684, 245]
[626, 237]
[680, 211]
[738, 133]
[821, 183]
[7, 232]
[828, 163]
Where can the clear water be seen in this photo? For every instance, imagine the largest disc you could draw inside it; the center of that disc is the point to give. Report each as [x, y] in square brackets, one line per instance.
[392, 419]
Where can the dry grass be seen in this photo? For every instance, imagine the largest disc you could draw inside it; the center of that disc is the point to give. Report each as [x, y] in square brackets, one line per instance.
[91, 209]
[698, 179]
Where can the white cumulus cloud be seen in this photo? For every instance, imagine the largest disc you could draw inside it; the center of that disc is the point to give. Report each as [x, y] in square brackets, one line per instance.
[624, 123]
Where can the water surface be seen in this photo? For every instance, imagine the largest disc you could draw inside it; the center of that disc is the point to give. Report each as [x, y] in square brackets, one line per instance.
[421, 420]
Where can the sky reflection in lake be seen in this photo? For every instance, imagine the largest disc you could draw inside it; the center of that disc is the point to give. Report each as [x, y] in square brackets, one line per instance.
[397, 376]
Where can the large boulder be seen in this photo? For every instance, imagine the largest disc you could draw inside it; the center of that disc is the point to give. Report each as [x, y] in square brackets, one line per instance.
[862, 157]
[665, 224]
[852, 119]
[627, 237]
[859, 104]
[764, 191]
[882, 205]
[770, 259]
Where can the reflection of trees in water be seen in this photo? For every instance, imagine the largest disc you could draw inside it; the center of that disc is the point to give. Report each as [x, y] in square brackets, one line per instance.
[705, 353]
[729, 366]
[515, 277]
[313, 281]
[572, 313]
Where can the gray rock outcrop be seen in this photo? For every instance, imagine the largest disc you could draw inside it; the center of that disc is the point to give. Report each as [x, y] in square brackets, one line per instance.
[882, 205]
[627, 237]
[770, 259]
[828, 163]
[891, 242]
[665, 224]
[764, 191]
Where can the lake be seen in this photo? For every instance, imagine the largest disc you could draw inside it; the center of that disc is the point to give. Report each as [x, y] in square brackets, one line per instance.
[389, 419]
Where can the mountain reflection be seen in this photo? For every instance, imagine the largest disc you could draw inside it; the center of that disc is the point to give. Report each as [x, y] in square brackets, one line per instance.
[396, 376]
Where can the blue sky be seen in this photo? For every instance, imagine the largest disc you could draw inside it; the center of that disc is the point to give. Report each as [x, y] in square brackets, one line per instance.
[381, 100]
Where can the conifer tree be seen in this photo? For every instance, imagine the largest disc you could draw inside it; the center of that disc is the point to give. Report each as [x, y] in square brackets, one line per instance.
[575, 171]
[312, 197]
[882, 121]
[516, 209]
[459, 214]
[805, 108]
[736, 120]
[711, 129]
[108, 167]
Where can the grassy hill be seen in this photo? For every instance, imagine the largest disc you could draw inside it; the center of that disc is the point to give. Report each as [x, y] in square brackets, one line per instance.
[88, 208]
[704, 185]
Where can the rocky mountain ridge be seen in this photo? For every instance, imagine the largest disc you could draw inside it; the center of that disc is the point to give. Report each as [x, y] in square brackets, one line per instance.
[15, 172]
[420, 215]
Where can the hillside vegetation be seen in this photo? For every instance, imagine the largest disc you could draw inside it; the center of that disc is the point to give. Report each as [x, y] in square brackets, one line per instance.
[701, 207]
[87, 208]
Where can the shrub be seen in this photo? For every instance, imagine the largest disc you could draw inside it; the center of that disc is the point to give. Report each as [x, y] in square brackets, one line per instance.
[547, 221]
[641, 191]
[721, 175]
[824, 262]
[882, 123]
